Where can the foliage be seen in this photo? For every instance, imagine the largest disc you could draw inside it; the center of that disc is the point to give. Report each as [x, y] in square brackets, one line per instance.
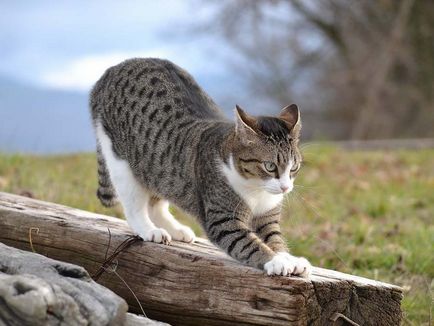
[367, 213]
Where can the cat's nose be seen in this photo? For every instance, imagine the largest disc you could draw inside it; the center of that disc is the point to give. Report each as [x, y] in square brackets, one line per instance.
[284, 188]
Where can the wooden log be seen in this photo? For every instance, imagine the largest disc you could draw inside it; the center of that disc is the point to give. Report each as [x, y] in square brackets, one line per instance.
[194, 284]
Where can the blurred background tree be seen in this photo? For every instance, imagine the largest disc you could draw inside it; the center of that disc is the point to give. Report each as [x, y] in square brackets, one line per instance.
[360, 69]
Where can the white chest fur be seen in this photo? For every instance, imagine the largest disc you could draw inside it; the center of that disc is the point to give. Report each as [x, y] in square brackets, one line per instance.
[251, 191]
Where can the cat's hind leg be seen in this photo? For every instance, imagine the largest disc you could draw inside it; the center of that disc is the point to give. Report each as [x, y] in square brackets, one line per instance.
[134, 197]
[161, 216]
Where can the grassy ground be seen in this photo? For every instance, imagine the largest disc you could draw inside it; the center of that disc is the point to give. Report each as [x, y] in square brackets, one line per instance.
[366, 213]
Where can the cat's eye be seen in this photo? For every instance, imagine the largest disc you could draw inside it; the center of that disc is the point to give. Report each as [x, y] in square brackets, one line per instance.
[295, 168]
[270, 166]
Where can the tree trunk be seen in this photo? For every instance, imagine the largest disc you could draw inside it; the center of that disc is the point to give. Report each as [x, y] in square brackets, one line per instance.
[193, 284]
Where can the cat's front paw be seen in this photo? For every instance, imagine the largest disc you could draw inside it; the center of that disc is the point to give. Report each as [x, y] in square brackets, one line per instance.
[157, 235]
[285, 264]
[302, 267]
[183, 233]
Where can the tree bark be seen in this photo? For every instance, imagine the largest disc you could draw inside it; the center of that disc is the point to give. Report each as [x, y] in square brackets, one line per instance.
[194, 284]
[366, 116]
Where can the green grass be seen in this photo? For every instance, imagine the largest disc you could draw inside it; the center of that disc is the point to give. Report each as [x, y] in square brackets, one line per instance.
[365, 213]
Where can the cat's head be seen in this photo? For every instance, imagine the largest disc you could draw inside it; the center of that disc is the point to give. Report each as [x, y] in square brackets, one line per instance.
[265, 150]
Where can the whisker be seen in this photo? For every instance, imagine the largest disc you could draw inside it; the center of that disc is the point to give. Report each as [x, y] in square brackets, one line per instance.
[287, 200]
[309, 205]
[311, 189]
[309, 144]
[304, 186]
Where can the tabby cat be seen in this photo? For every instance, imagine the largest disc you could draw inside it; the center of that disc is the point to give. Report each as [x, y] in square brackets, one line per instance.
[161, 139]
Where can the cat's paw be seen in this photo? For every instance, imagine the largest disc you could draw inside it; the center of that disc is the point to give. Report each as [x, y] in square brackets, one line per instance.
[285, 264]
[157, 235]
[183, 233]
[302, 267]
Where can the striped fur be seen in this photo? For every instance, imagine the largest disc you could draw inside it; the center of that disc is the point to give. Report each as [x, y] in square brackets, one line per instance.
[268, 229]
[105, 193]
[173, 139]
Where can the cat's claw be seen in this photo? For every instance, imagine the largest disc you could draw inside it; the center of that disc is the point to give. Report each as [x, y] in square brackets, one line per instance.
[157, 235]
[184, 233]
[285, 264]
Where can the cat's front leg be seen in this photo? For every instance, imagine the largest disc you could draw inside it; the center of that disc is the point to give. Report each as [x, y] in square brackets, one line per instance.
[232, 235]
[230, 232]
[268, 229]
[283, 263]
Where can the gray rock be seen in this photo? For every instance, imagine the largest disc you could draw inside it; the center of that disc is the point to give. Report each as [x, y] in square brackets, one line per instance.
[134, 320]
[36, 290]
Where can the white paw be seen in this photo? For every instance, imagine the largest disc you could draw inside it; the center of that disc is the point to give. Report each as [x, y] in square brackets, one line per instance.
[157, 235]
[183, 233]
[285, 264]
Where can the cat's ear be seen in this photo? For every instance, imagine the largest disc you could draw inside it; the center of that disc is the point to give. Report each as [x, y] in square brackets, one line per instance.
[245, 124]
[291, 116]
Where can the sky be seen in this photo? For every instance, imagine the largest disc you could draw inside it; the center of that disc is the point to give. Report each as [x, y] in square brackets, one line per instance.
[68, 44]
[52, 52]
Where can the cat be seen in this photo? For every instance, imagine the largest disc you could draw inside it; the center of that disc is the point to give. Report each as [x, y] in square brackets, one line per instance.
[161, 139]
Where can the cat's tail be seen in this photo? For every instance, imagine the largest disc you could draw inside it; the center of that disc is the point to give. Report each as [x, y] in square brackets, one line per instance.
[106, 192]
